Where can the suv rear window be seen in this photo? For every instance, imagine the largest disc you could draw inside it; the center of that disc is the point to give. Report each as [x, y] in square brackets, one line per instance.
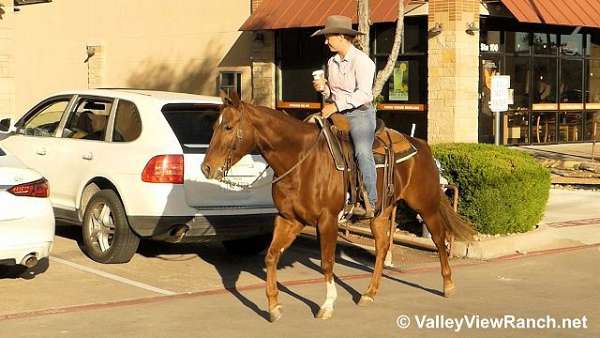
[192, 124]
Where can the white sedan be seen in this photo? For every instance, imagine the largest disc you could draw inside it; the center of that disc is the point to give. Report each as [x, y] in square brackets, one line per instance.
[26, 216]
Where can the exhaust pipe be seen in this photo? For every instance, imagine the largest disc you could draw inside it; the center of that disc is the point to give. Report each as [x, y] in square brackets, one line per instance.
[177, 233]
[30, 261]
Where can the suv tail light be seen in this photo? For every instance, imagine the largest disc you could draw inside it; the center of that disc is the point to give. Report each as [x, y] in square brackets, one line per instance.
[164, 169]
[37, 188]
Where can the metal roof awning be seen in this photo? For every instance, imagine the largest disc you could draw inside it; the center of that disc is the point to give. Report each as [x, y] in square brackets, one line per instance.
[585, 13]
[278, 14]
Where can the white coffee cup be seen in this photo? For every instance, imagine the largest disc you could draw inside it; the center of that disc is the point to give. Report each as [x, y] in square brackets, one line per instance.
[318, 75]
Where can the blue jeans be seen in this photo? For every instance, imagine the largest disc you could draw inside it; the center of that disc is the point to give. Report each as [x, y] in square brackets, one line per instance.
[362, 131]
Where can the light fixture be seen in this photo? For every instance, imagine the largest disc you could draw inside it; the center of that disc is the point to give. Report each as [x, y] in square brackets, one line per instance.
[436, 29]
[472, 28]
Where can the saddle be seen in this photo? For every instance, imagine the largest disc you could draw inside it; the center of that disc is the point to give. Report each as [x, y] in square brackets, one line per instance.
[390, 147]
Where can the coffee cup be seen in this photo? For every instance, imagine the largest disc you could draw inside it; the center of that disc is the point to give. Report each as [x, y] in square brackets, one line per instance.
[317, 75]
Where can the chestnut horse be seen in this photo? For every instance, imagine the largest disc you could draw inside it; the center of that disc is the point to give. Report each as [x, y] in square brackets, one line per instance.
[309, 190]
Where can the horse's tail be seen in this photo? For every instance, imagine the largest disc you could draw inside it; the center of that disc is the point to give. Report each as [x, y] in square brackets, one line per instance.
[458, 227]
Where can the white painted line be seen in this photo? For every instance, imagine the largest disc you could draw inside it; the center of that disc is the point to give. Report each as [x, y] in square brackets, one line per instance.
[113, 277]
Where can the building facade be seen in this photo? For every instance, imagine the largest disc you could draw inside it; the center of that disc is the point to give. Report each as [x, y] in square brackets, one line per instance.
[440, 89]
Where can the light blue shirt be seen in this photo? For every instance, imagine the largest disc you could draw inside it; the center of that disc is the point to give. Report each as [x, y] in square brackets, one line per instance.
[350, 79]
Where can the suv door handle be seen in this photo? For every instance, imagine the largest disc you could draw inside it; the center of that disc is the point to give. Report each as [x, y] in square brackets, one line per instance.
[41, 151]
[88, 156]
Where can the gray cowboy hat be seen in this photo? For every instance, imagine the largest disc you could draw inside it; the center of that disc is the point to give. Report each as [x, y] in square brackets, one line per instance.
[337, 24]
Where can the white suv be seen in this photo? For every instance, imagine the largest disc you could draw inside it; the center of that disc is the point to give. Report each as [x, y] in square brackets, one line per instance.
[126, 165]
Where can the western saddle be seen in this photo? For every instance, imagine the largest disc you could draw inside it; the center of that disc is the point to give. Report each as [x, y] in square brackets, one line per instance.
[390, 147]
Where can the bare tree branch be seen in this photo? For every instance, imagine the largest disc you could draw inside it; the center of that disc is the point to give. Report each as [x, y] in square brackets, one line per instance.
[384, 74]
[364, 25]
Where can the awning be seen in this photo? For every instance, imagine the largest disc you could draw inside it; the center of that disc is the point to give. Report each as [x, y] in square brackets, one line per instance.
[277, 14]
[585, 13]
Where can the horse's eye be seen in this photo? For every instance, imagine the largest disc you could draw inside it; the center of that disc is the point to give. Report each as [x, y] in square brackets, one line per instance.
[228, 127]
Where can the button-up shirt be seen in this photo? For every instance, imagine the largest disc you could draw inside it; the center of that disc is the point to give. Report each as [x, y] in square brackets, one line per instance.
[349, 79]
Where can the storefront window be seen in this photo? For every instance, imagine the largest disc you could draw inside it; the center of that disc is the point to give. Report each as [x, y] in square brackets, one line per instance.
[545, 43]
[407, 83]
[570, 126]
[299, 55]
[544, 82]
[517, 42]
[415, 36]
[571, 45]
[516, 128]
[543, 127]
[517, 67]
[592, 81]
[490, 42]
[592, 121]
[571, 75]
[592, 48]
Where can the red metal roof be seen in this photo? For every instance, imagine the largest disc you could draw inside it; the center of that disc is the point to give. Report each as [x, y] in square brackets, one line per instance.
[277, 14]
[584, 13]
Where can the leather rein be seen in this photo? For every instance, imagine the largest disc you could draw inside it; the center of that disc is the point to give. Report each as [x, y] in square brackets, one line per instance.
[238, 140]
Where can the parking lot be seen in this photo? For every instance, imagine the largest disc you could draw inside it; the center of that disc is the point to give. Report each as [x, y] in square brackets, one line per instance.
[200, 290]
[70, 280]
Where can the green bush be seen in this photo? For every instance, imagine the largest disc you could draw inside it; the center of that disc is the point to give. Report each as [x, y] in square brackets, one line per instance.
[501, 190]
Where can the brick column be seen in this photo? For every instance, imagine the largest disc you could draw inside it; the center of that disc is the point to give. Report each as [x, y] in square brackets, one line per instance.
[453, 68]
[7, 63]
[254, 4]
[263, 70]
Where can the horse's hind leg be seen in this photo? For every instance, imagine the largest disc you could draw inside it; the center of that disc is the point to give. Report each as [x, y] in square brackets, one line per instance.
[283, 235]
[435, 224]
[328, 233]
[380, 228]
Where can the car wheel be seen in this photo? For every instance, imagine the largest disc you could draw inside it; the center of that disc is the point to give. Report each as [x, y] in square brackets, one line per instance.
[107, 236]
[248, 246]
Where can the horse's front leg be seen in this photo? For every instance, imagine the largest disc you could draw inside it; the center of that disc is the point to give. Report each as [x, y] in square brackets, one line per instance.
[328, 232]
[283, 235]
[380, 227]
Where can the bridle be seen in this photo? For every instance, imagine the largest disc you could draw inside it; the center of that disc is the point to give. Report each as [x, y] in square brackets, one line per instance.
[237, 140]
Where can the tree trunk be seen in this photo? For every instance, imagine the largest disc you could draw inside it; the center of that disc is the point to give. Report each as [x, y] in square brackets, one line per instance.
[364, 25]
[384, 74]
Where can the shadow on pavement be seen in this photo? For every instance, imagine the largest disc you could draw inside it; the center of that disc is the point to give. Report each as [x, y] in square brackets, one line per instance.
[20, 271]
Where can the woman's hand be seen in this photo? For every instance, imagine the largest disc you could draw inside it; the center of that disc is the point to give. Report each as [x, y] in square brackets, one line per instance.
[328, 110]
[319, 84]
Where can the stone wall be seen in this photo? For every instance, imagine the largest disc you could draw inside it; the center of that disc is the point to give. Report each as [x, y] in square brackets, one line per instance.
[453, 68]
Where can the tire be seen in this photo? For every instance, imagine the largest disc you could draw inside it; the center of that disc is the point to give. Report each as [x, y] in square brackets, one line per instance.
[107, 236]
[248, 246]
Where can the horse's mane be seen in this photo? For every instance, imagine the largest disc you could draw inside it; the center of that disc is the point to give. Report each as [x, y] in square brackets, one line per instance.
[283, 116]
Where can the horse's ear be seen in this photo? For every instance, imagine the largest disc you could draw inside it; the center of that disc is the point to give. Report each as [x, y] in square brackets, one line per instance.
[235, 99]
[225, 97]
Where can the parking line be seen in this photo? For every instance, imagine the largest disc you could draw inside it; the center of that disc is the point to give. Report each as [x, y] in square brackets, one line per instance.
[113, 277]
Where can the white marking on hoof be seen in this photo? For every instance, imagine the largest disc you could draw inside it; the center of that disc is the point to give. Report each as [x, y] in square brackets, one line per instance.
[365, 300]
[325, 313]
[275, 314]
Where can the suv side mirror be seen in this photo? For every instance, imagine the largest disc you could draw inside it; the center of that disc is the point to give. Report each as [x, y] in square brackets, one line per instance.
[4, 125]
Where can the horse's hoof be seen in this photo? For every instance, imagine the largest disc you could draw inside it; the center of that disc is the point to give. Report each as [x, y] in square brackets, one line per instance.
[325, 313]
[365, 300]
[275, 314]
[449, 291]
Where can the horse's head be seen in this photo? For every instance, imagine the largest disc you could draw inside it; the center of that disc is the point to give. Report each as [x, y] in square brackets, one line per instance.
[233, 137]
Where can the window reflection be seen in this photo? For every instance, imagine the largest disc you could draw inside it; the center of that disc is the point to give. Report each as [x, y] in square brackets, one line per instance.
[545, 43]
[516, 127]
[570, 126]
[543, 127]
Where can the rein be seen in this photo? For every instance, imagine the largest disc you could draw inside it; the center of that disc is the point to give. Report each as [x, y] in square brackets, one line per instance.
[238, 138]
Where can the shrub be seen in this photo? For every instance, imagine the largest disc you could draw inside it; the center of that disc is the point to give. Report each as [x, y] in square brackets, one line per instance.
[502, 190]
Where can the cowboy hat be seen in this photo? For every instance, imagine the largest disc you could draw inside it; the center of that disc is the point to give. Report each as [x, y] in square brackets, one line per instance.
[337, 24]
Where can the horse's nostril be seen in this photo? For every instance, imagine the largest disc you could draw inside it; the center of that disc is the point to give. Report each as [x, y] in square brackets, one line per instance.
[206, 170]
